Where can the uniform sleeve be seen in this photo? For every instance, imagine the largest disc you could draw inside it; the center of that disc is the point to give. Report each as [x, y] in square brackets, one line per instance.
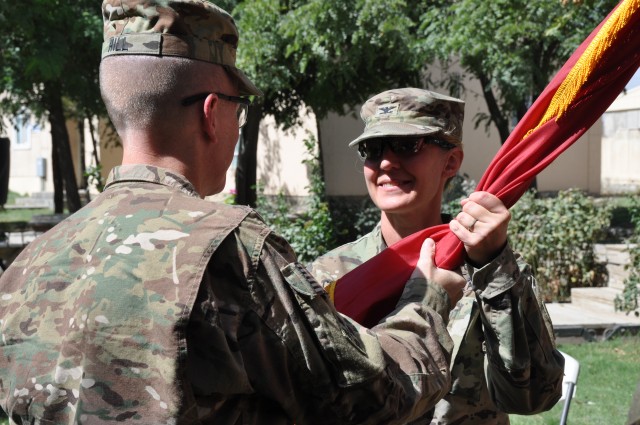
[523, 368]
[323, 368]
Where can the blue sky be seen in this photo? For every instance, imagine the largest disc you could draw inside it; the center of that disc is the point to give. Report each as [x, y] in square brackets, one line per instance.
[635, 81]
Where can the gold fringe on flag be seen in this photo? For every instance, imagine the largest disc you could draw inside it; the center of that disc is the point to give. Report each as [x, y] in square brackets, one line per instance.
[331, 289]
[586, 64]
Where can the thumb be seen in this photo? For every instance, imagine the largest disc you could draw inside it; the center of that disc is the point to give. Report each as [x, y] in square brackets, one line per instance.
[426, 261]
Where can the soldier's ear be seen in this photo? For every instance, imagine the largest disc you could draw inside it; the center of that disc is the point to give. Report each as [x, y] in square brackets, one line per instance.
[210, 116]
[454, 161]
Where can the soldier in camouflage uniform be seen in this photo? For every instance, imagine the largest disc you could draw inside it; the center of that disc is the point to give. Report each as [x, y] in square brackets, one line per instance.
[152, 305]
[504, 360]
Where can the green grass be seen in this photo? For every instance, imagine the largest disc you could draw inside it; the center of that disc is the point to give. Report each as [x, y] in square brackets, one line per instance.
[22, 214]
[609, 374]
[10, 216]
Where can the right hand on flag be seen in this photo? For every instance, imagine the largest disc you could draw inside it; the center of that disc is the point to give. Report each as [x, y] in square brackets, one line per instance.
[482, 227]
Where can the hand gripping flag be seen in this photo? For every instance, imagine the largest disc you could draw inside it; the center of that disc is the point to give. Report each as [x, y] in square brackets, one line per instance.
[576, 97]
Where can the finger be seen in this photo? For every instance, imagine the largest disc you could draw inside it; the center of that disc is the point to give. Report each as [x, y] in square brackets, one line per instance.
[474, 210]
[472, 225]
[427, 252]
[458, 229]
[425, 264]
[467, 220]
[486, 200]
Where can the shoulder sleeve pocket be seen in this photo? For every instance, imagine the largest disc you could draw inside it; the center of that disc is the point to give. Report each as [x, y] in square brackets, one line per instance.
[352, 352]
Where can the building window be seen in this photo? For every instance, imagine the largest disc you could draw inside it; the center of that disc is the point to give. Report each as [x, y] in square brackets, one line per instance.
[23, 129]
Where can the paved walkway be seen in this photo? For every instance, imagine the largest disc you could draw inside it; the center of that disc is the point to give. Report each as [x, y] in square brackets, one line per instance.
[590, 321]
[595, 316]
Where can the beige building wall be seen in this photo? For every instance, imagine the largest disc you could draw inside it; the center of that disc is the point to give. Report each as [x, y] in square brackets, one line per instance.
[31, 149]
[30, 143]
[280, 156]
[110, 149]
[578, 167]
[621, 145]
[342, 165]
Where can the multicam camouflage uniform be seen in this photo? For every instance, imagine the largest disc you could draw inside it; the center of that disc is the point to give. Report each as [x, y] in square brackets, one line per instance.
[504, 358]
[153, 306]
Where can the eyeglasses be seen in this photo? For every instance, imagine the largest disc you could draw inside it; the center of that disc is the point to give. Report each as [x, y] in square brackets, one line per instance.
[242, 102]
[372, 149]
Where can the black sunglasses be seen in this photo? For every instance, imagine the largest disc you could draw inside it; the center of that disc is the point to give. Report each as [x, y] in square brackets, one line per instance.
[372, 149]
[243, 104]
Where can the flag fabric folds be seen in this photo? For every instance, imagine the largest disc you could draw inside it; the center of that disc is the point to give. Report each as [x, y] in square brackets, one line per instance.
[577, 96]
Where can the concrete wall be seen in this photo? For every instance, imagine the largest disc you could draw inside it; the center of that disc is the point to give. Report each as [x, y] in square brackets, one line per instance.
[280, 156]
[621, 152]
[578, 167]
[598, 158]
[110, 149]
[30, 143]
[342, 165]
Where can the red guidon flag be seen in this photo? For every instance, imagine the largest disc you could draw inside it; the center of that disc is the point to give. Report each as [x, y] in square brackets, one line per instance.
[576, 97]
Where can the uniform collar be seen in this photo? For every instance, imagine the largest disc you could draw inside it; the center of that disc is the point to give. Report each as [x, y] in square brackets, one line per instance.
[150, 174]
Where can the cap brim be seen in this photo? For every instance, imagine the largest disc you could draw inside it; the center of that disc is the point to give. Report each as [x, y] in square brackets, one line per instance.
[245, 86]
[387, 129]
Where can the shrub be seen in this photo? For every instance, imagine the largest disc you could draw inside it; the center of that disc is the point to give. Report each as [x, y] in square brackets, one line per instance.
[556, 237]
[353, 217]
[94, 177]
[628, 300]
[458, 188]
[310, 232]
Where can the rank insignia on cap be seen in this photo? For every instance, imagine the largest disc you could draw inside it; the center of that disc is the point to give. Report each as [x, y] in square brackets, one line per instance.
[387, 110]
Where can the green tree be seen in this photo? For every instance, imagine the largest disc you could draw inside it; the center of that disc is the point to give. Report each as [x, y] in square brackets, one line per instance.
[331, 55]
[49, 58]
[325, 55]
[513, 47]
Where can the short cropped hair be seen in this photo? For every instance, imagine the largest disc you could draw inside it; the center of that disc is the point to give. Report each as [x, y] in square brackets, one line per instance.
[142, 91]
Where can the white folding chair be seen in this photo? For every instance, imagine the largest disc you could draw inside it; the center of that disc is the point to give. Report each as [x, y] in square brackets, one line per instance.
[569, 382]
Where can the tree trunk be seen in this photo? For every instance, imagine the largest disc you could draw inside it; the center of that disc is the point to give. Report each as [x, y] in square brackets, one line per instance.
[501, 122]
[83, 167]
[92, 131]
[60, 143]
[320, 156]
[58, 183]
[247, 158]
[5, 164]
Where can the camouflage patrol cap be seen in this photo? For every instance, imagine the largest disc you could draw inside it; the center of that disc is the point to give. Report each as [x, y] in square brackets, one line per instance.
[194, 29]
[412, 112]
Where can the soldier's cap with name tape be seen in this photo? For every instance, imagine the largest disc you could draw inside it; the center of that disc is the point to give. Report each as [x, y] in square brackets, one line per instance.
[411, 112]
[194, 29]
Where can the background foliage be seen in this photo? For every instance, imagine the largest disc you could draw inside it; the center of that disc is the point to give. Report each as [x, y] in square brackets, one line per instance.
[512, 47]
[628, 300]
[310, 232]
[49, 58]
[556, 237]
